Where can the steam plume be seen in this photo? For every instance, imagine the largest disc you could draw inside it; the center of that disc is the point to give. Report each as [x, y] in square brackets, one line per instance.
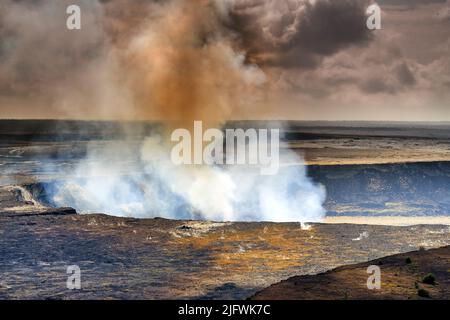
[179, 61]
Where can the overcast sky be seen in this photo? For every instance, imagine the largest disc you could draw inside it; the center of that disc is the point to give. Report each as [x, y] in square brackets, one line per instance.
[293, 59]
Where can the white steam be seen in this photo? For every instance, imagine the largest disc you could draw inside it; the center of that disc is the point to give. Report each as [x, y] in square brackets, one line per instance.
[177, 61]
[154, 186]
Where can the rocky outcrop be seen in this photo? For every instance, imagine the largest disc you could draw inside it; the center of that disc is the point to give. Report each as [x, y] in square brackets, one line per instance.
[422, 274]
[18, 201]
[408, 189]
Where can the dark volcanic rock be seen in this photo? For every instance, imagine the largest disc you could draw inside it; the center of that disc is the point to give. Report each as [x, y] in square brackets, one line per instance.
[124, 258]
[40, 212]
[402, 276]
[401, 189]
[17, 201]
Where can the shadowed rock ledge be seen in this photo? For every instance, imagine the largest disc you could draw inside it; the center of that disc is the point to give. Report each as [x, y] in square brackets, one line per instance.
[16, 201]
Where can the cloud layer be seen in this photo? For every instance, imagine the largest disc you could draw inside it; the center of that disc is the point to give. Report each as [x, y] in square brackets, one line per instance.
[229, 59]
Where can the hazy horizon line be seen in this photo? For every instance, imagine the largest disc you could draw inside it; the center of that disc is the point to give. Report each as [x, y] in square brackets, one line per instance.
[230, 120]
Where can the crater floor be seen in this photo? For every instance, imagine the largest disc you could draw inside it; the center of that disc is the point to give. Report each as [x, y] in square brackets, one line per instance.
[124, 258]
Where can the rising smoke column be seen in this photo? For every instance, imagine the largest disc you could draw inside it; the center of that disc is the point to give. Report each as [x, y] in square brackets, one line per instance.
[186, 60]
[185, 66]
[191, 69]
[127, 49]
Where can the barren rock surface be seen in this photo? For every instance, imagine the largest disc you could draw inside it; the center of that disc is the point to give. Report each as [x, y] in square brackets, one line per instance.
[17, 201]
[123, 258]
[402, 277]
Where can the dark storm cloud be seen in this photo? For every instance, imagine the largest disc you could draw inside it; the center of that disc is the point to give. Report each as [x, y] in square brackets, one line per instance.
[376, 85]
[314, 54]
[299, 33]
[409, 2]
[39, 54]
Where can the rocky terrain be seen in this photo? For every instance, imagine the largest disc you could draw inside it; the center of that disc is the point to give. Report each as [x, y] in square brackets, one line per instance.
[423, 274]
[125, 258]
[401, 189]
[16, 201]
[367, 169]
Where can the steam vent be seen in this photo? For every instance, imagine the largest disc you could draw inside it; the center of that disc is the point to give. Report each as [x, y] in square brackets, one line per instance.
[244, 150]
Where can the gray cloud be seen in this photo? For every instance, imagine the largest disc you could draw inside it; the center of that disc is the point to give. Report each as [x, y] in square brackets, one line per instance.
[67, 72]
[409, 2]
[48, 70]
[315, 54]
[299, 33]
[36, 49]
[405, 76]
